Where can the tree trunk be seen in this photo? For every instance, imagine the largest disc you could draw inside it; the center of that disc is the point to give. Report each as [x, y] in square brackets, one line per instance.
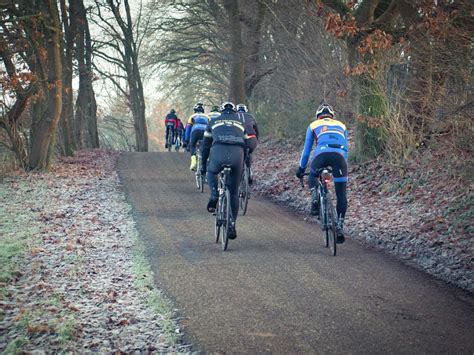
[90, 94]
[47, 110]
[369, 100]
[237, 76]
[138, 111]
[86, 107]
[253, 71]
[67, 141]
[137, 99]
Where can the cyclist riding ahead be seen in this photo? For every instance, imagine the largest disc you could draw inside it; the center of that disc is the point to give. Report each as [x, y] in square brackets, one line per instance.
[179, 130]
[224, 143]
[214, 112]
[252, 132]
[195, 128]
[171, 121]
[331, 150]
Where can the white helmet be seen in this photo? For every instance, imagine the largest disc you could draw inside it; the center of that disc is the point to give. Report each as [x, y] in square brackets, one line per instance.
[325, 110]
[226, 106]
[199, 107]
[242, 108]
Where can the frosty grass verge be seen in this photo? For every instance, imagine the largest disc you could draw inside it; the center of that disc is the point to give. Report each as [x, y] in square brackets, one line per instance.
[77, 279]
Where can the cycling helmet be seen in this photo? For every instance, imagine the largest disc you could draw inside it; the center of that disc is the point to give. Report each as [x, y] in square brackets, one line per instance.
[228, 106]
[215, 108]
[199, 107]
[241, 108]
[325, 110]
[172, 110]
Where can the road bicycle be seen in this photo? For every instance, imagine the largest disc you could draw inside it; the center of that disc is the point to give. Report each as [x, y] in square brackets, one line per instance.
[223, 209]
[327, 211]
[199, 178]
[169, 139]
[244, 188]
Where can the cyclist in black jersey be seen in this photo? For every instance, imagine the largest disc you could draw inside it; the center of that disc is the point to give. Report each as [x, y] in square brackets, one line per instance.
[224, 142]
[252, 133]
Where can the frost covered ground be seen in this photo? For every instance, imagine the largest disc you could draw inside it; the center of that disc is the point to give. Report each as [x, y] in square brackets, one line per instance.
[421, 212]
[72, 276]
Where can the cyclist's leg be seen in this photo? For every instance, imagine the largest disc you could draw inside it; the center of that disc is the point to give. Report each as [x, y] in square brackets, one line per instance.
[173, 135]
[213, 168]
[341, 206]
[251, 145]
[319, 161]
[196, 135]
[166, 136]
[234, 156]
[194, 139]
[339, 172]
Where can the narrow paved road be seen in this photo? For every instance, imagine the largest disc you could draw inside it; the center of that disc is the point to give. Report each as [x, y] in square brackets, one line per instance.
[276, 289]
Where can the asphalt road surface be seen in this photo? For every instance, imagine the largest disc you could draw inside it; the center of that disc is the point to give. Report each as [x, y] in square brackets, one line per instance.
[277, 289]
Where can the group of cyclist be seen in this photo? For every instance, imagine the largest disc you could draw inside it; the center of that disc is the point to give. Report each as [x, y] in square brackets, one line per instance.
[174, 127]
[229, 135]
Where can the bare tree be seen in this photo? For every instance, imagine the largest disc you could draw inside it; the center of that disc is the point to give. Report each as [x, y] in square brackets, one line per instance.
[120, 47]
[214, 42]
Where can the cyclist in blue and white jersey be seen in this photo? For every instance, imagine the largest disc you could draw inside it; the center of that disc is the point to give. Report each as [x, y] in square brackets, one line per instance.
[195, 128]
[331, 150]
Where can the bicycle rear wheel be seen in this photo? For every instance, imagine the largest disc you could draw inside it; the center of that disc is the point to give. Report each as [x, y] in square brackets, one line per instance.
[244, 191]
[201, 182]
[218, 223]
[198, 175]
[170, 141]
[226, 218]
[331, 230]
[323, 218]
[197, 178]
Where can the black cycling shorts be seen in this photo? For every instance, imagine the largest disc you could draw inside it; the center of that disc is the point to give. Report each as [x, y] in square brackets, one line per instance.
[335, 160]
